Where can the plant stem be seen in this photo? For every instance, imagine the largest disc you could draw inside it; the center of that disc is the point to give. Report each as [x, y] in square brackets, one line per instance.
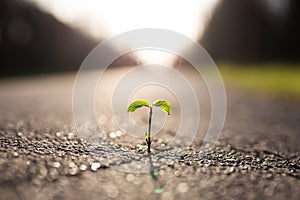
[149, 130]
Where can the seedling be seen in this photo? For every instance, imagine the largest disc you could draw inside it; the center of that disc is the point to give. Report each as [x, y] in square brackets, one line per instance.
[164, 106]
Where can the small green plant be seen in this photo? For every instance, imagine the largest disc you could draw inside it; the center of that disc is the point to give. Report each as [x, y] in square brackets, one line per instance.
[164, 106]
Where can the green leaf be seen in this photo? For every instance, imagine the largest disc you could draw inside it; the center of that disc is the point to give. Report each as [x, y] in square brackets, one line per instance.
[159, 191]
[147, 137]
[137, 104]
[164, 105]
[155, 172]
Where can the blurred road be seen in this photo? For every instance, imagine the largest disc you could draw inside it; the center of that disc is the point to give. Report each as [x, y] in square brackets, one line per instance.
[257, 156]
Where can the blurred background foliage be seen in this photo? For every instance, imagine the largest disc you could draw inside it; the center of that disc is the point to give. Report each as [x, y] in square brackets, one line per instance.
[279, 79]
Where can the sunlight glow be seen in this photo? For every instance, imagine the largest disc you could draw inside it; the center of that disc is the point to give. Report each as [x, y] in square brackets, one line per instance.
[102, 19]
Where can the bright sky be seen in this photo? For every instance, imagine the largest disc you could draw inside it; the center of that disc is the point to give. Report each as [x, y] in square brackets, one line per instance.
[104, 18]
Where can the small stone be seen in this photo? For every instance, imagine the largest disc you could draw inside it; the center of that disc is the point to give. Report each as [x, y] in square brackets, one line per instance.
[20, 134]
[95, 166]
[231, 170]
[83, 167]
[71, 136]
[182, 187]
[15, 154]
[269, 176]
[58, 134]
[112, 135]
[56, 164]
[73, 170]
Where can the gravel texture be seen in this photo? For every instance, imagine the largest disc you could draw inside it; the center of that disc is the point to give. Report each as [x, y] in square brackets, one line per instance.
[41, 156]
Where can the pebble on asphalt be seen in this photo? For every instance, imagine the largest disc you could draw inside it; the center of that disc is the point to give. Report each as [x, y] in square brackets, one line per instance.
[56, 164]
[58, 134]
[112, 135]
[83, 167]
[73, 170]
[95, 166]
[15, 154]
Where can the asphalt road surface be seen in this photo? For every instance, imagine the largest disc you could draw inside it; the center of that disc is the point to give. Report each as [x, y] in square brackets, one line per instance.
[42, 157]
